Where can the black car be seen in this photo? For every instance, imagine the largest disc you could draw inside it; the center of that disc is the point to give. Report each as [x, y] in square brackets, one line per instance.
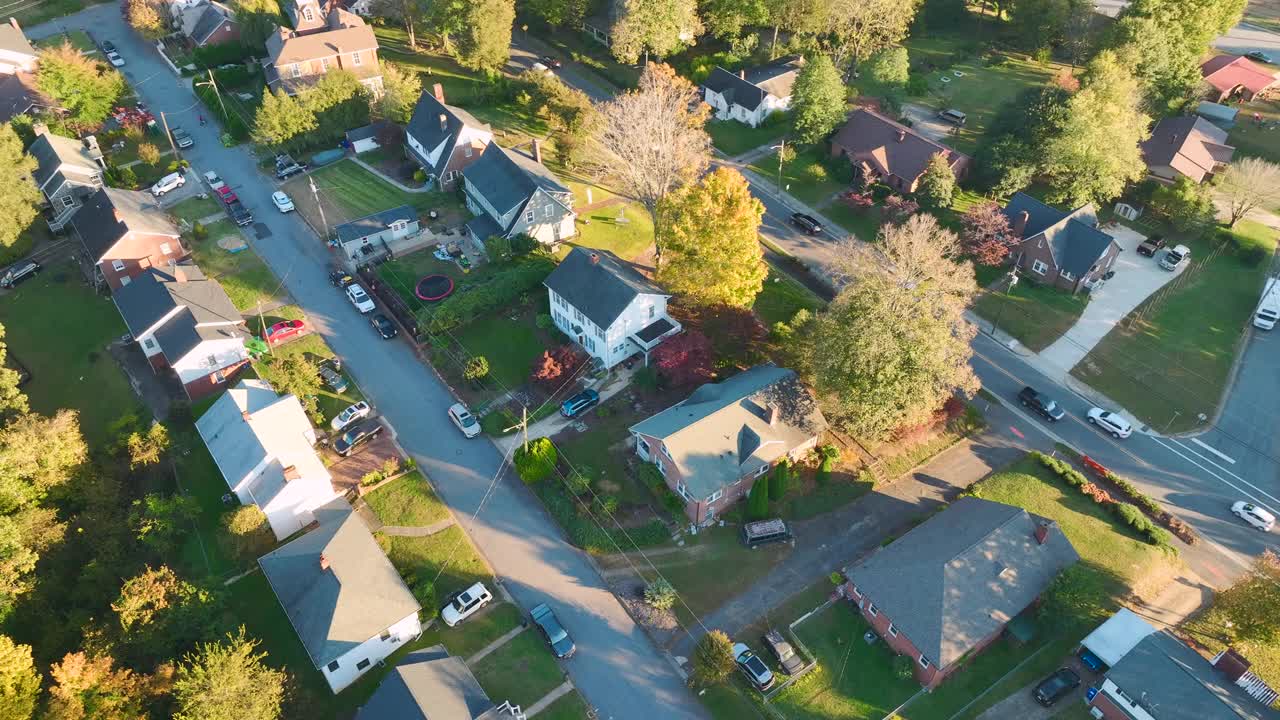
[807, 223]
[239, 213]
[1044, 405]
[783, 651]
[19, 272]
[1056, 686]
[383, 325]
[551, 62]
[182, 138]
[108, 46]
[554, 633]
[358, 434]
[1151, 245]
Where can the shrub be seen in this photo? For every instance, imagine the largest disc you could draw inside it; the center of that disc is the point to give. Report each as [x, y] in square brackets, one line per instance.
[903, 667]
[372, 478]
[917, 86]
[149, 153]
[424, 591]
[578, 482]
[660, 594]
[606, 504]
[836, 579]
[544, 321]
[1253, 255]
[758, 500]
[476, 369]
[828, 456]
[128, 177]
[1130, 514]
[199, 232]
[673, 503]
[778, 480]
[419, 176]
[536, 461]
[713, 661]
[816, 173]
[650, 476]
[246, 534]
[646, 378]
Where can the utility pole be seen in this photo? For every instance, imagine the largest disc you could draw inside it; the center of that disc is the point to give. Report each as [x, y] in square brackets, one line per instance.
[263, 324]
[172, 144]
[782, 153]
[523, 425]
[315, 195]
[216, 92]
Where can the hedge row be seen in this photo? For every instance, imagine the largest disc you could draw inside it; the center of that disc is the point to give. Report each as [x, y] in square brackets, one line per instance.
[232, 124]
[501, 290]
[1127, 513]
[598, 536]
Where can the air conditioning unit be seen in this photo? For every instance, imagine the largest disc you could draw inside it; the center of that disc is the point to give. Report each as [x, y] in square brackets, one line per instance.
[1096, 712]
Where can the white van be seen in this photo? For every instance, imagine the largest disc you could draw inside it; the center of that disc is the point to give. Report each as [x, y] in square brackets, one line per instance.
[1268, 312]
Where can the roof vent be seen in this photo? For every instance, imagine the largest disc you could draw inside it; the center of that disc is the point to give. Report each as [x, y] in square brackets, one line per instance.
[245, 415]
[444, 122]
[1042, 532]
[324, 562]
[902, 135]
[291, 473]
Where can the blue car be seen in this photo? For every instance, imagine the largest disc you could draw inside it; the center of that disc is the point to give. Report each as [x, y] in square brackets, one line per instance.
[579, 403]
[556, 636]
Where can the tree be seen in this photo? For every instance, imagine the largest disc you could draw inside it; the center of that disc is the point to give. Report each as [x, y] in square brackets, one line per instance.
[160, 615]
[684, 360]
[660, 594]
[160, 521]
[477, 369]
[799, 17]
[937, 184]
[84, 88]
[778, 480]
[485, 44]
[658, 27]
[400, 91]
[145, 18]
[89, 687]
[1186, 203]
[713, 661]
[295, 375]
[281, 118]
[1007, 165]
[246, 533]
[536, 461]
[17, 210]
[1041, 24]
[710, 241]
[568, 112]
[1252, 604]
[986, 235]
[1096, 153]
[1163, 41]
[1071, 596]
[818, 101]
[17, 564]
[889, 68]
[725, 19]
[859, 29]
[736, 334]
[339, 102]
[758, 500]
[407, 12]
[558, 13]
[149, 153]
[147, 448]
[38, 454]
[228, 681]
[1249, 183]
[897, 209]
[19, 681]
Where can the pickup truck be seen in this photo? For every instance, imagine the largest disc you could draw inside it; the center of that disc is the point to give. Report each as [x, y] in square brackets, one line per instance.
[239, 213]
[1043, 405]
[287, 167]
[1151, 245]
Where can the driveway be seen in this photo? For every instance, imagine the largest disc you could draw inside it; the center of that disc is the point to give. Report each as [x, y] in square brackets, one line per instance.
[925, 121]
[616, 667]
[1136, 278]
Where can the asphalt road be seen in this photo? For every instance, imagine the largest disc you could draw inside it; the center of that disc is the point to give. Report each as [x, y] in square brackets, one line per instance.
[616, 667]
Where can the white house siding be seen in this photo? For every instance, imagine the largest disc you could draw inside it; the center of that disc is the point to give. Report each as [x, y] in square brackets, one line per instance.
[11, 62]
[291, 509]
[611, 345]
[196, 363]
[375, 650]
[1112, 691]
[552, 233]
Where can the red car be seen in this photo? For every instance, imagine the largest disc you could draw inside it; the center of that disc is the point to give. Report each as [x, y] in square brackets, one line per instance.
[285, 331]
[226, 195]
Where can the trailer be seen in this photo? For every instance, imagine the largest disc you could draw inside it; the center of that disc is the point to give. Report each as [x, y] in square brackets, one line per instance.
[1268, 312]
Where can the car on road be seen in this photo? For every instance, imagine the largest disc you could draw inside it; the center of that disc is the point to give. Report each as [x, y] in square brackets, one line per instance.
[168, 183]
[340, 278]
[466, 422]
[782, 650]
[115, 58]
[357, 435]
[807, 223]
[551, 61]
[108, 46]
[332, 378]
[181, 137]
[360, 298]
[1110, 422]
[465, 604]
[239, 213]
[225, 194]
[1175, 257]
[350, 414]
[1259, 56]
[1151, 245]
[214, 181]
[383, 325]
[1056, 686]
[1044, 405]
[579, 403]
[554, 633]
[753, 667]
[281, 201]
[284, 331]
[1254, 515]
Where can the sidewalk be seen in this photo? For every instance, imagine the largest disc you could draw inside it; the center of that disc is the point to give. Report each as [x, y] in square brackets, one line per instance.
[614, 383]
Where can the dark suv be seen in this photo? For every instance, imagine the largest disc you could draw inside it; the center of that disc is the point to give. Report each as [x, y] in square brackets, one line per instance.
[1044, 405]
[1151, 245]
[1056, 686]
[239, 213]
[807, 223]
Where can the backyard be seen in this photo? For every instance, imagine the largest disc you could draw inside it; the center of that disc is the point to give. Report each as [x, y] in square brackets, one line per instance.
[1260, 139]
[407, 501]
[734, 138]
[350, 192]
[247, 280]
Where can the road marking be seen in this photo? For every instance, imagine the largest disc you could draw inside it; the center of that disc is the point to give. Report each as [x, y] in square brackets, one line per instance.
[1215, 451]
[1256, 489]
[1017, 432]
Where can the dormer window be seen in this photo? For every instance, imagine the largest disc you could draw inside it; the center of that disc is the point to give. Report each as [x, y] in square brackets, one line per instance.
[307, 14]
[296, 70]
[355, 58]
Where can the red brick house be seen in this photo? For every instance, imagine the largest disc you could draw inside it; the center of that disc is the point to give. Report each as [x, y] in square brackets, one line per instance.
[1064, 249]
[125, 232]
[444, 139]
[1233, 75]
[882, 150]
[948, 588]
[714, 445]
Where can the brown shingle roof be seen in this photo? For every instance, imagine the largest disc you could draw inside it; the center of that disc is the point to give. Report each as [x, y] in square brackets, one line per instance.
[893, 149]
[284, 48]
[1191, 145]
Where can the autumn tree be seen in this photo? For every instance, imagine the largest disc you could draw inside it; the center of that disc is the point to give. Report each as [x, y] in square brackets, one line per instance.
[281, 118]
[1247, 184]
[159, 615]
[736, 334]
[937, 184]
[684, 360]
[713, 661]
[90, 687]
[400, 90]
[818, 103]
[38, 454]
[145, 18]
[19, 203]
[149, 153]
[897, 209]
[1187, 204]
[485, 43]
[654, 27]
[477, 369]
[19, 681]
[710, 241]
[146, 448]
[245, 533]
[1164, 41]
[228, 681]
[558, 13]
[568, 113]
[986, 235]
[85, 89]
[17, 564]
[293, 374]
[858, 29]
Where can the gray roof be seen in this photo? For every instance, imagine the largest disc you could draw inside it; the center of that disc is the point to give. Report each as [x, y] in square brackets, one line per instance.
[428, 684]
[157, 292]
[1176, 683]
[211, 18]
[775, 78]
[182, 334]
[54, 153]
[1224, 116]
[723, 430]
[100, 227]
[602, 290]
[13, 40]
[17, 95]
[508, 178]
[483, 227]
[1073, 237]
[375, 223]
[360, 594]
[425, 127]
[889, 146]
[736, 90]
[962, 575]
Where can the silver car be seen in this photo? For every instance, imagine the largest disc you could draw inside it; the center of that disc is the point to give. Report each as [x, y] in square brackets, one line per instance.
[1110, 422]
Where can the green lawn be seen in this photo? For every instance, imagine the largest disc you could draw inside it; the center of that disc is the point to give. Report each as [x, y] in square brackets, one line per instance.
[355, 192]
[194, 208]
[571, 706]
[407, 501]
[200, 478]
[864, 224]
[806, 177]
[1034, 314]
[449, 549]
[734, 138]
[782, 297]
[627, 239]
[242, 274]
[460, 85]
[1174, 364]
[510, 347]
[79, 40]
[521, 671]
[1259, 141]
[1207, 629]
[480, 629]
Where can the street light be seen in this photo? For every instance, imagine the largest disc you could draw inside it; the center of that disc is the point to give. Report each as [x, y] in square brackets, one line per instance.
[782, 153]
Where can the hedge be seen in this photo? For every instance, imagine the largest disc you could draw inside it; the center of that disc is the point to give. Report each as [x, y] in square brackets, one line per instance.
[232, 124]
[501, 290]
[589, 533]
[1126, 513]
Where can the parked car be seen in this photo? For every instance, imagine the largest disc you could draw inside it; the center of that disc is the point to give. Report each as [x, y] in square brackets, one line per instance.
[1254, 515]
[169, 182]
[556, 636]
[1175, 257]
[225, 194]
[360, 298]
[1259, 56]
[1151, 245]
[753, 667]
[357, 435]
[1111, 422]
[551, 62]
[461, 416]
[108, 46]
[762, 532]
[1056, 686]
[782, 650]
[340, 278]
[115, 58]
[332, 379]
[383, 325]
[19, 272]
[1044, 405]
[465, 604]
[350, 414]
[287, 167]
[239, 213]
[214, 181]
[806, 223]
[953, 116]
[579, 403]
[284, 331]
[181, 137]
[281, 201]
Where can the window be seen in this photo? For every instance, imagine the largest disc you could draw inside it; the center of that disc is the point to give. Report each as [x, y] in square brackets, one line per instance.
[893, 631]
[665, 452]
[362, 664]
[217, 378]
[591, 344]
[872, 611]
[333, 666]
[652, 310]
[125, 280]
[296, 70]
[324, 64]
[577, 315]
[856, 591]
[68, 201]
[117, 265]
[643, 446]
[924, 662]
[661, 468]
[466, 151]
[386, 634]
[763, 469]
[149, 344]
[307, 14]
[684, 491]
[399, 225]
[1039, 268]
[528, 216]
[1067, 276]
[715, 496]
[355, 59]
[165, 249]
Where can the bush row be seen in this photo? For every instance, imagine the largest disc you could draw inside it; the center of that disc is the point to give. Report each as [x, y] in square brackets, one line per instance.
[590, 533]
[232, 124]
[1127, 513]
[502, 289]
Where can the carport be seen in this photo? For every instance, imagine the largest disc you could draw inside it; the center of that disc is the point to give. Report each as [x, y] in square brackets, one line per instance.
[1114, 638]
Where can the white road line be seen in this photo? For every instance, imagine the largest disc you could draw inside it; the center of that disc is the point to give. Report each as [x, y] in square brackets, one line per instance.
[1224, 481]
[1213, 450]
[1256, 489]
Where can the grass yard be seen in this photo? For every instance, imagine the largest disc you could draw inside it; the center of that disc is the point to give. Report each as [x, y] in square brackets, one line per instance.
[201, 479]
[1034, 314]
[734, 138]
[194, 208]
[242, 274]
[479, 630]
[1174, 364]
[1258, 140]
[407, 501]
[329, 402]
[521, 671]
[806, 177]
[863, 224]
[79, 40]
[628, 239]
[351, 192]
[509, 346]
[449, 549]
[461, 86]
[782, 297]
[571, 706]
[580, 48]
[1206, 629]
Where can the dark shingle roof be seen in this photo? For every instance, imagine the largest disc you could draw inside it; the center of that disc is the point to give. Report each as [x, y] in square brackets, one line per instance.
[735, 90]
[962, 575]
[210, 19]
[603, 289]
[1074, 239]
[424, 126]
[508, 178]
[775, 78]
[156, 292]
[874, 137]
[100, 229]
[53, 152]
[428, 684]
[183, 334]
[375, 223]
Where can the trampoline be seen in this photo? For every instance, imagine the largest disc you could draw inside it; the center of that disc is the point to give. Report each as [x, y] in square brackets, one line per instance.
[434, 288]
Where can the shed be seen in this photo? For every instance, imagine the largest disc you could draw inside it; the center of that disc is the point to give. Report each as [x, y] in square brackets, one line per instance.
[363, 139]
[1224, 116]
[1114, 638]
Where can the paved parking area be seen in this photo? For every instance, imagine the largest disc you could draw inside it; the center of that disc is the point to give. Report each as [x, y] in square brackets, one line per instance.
[348, 471]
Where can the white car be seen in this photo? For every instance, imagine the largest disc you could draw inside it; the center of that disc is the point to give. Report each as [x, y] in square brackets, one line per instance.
[282, 201]
[114, 58]
[214, 181]
[360, 298]
[352, 413]
[1175, 256]
[1111, 422]
[465, 604]
[1254, 515]
[172, 181]
[465, 421]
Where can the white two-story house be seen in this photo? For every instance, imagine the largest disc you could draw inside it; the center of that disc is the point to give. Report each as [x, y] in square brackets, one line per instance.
[607, 307]
[67, 173]
[444, 139]
[752, 95]
[514, 194]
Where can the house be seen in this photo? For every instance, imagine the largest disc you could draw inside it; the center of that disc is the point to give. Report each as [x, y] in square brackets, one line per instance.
[1187, 146]
[184, 322]
[1235, 76]
[307, 16]
[714, 445]
[125, 232]
[949, 587]
[209, 23]
[882, 150]
[264, 446]
[16, 53]
[380, 235]
[513, 194]
[607, 307]
[18, 93]
[1066, 249]
[429, 684]
[444, 139]
[297, 59]
[750, 96]
[343, 597]
[67, 172]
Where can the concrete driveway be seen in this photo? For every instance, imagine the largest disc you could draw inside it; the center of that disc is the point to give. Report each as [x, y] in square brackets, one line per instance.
[1136, 278]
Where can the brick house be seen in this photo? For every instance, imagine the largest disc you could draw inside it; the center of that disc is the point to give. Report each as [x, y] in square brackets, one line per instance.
[1187, 146]
[444, 139]
[1235, 76]
[297, 59]
[67, 172]
[125, 233]
[726, 436]
[948, 588]
[882, 150]
[1063, 249]
[209, 23]
[512, 193]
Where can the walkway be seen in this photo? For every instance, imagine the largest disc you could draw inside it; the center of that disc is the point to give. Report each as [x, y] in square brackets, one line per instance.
[423, 531]
[556, 423]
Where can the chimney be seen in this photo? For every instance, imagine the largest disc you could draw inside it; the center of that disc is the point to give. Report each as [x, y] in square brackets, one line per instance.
[595, 258]
[1020, 223]
[245, 414]
[742, 74]
[40, 129]
[324, 562]
[902, 135]
[14, 22]
[772, 411]
[291, 473]
[1173, 138]
[438, 91]
[444, 122]
[537, 151]
[116, 211]
[1042, 532]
